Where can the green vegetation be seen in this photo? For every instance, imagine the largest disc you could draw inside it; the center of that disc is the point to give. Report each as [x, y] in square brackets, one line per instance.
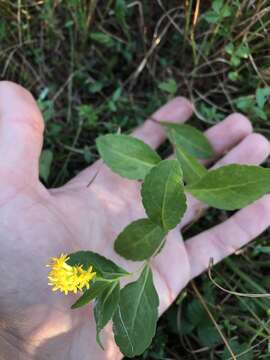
[96, 66]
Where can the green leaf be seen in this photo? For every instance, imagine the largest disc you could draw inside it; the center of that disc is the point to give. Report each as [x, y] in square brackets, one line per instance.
[217, 5]
[191, 139]
[117, 94]
[105, 307]
[96, 87]
[139, 240]
[235, 61]
[261, 96]
[45, 163]
[170, 86]
[208, 335]
[135, 320]
[120, 9]
[95, 290]
[259, 113]
[233, 75]
[127, 156]
[211, 17]
[241, 351]
[229, 48]
[225, 12]
[196, 313]
[210, 112]
[244, 103]
[243, 51]
[87, 113]
[232, 187]
[192, 169]
[102, 266]
[163, 194]
[102, 38]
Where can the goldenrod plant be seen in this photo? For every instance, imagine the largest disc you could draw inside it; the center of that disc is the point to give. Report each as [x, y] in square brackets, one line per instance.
[134, 307]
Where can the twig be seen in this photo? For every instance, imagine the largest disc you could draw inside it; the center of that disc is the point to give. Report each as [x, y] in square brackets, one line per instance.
[211, 263]
[212, 319]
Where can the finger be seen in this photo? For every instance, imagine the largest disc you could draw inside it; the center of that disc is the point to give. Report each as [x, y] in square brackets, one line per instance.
[253, 150]
[177, 110]
[224, 239]
[228, 133]
[21, 129]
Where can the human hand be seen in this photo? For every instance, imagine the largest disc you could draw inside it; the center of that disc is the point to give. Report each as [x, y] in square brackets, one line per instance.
[37, 223]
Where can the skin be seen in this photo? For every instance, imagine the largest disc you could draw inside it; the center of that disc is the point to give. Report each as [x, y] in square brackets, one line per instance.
[37, 223]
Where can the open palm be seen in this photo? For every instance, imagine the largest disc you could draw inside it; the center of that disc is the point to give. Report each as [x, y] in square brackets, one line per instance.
[37, 223]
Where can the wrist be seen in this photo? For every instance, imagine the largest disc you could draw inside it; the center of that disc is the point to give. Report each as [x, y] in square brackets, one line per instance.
[77, 342]
[12, 347]
[67, 347]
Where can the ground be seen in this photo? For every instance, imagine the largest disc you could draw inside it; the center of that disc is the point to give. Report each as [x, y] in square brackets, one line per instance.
[97, 66]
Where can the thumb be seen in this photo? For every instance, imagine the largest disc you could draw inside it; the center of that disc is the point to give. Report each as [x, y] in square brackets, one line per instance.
[21, 131]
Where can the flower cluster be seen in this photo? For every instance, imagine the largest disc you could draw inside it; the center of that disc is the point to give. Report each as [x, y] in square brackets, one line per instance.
[67, 278]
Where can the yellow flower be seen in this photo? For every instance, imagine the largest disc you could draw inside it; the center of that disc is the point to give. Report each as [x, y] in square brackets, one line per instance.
[67, 278]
